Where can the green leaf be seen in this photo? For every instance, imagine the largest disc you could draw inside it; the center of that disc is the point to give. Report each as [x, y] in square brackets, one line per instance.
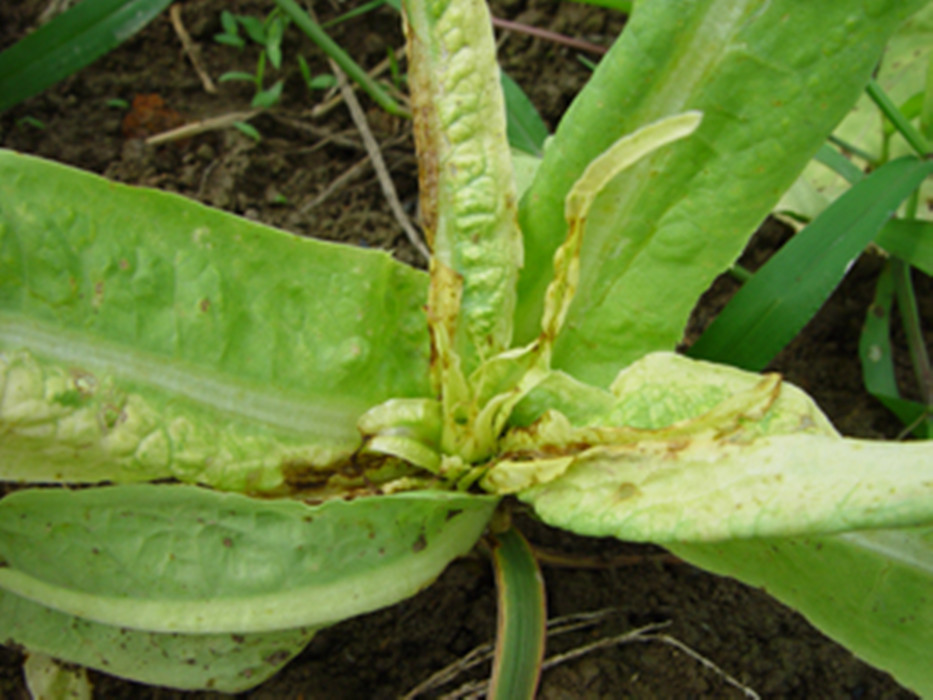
[255, 28]
[910, 240]
[226, 663]
[237, 75]
[68, 43]
[903, 74]
[525, 128]
[175, 558]
[230, 40]
[188, 309]
[268, 97]
[867, 590]
[877, 357]
[653, 244]
[273, 43]
[248, 130]
[229, 23]
[778, 301]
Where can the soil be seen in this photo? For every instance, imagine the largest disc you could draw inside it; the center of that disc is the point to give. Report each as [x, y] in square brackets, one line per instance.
[306, 176]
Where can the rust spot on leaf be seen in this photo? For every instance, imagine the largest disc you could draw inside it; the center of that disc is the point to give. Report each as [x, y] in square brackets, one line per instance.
[626, 491]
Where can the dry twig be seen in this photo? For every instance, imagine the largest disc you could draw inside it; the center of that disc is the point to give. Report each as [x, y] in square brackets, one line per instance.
[699, 658]
[382, 172]
[191, 49]
[199, 127]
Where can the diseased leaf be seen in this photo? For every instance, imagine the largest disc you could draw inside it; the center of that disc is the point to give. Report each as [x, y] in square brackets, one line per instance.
[226, 663]
[653, 244]
[468, 201]
[64, 423]
[199, 315]
[175, 558]
[706, 490]
[698, 452]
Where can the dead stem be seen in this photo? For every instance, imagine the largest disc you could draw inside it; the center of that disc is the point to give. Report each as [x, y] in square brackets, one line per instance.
[548, 35]
[191, 49]
[382, 172]
[185, 131]
[699, 658]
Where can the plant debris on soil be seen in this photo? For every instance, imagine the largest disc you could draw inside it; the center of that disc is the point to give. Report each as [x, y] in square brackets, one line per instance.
[311, 176]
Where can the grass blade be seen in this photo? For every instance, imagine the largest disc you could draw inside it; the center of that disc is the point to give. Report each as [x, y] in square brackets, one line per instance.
[779, 300]
[68, 43]
[911, 240]
[522, 619]
[877, 358]
[916, 140]
[341, 57]
[526, 129]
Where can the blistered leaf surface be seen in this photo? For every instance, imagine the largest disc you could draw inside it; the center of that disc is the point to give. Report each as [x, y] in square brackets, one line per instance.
[468, 201]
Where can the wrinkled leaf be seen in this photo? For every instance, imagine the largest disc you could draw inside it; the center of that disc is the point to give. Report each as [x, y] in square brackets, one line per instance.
[468, 201]
[197, 313]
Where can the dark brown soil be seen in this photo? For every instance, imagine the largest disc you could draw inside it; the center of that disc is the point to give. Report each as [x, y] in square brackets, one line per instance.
[284, 180]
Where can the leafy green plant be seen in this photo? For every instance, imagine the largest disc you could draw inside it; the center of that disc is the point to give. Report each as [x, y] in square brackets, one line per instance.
[275, 435]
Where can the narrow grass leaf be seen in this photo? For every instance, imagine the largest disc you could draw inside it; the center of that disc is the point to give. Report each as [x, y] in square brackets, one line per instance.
[353, 69]
[877, 358]
[525, 128]
[911, 240]
[522, 619]
[788, 290]
[68, 43]
[838, 163]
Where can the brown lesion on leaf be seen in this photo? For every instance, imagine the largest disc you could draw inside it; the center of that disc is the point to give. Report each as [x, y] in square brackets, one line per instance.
[356, 475]
[425, 129]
